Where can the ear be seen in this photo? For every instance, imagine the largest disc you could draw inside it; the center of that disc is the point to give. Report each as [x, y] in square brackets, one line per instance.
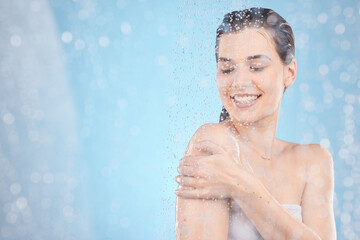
[290, 73]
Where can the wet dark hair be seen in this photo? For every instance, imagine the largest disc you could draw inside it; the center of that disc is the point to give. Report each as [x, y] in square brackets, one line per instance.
[257, 17]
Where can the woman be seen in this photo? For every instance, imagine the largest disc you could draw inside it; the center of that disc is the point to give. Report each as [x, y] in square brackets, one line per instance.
[237, 180]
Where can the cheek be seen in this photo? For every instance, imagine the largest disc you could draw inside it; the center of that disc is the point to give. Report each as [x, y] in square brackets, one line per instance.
[263, 82]
[260, 81]
[268, 82]
[223, 84]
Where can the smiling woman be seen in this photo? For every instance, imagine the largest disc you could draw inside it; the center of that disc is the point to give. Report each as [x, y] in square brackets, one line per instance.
[237, 180]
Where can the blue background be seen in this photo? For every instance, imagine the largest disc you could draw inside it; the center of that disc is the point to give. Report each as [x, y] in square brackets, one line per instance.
[99, 100]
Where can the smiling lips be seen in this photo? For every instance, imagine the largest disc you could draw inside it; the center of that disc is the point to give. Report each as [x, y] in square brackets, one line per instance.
[245, 100]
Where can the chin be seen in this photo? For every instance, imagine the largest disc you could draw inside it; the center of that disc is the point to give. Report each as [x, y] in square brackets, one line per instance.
[242, 117]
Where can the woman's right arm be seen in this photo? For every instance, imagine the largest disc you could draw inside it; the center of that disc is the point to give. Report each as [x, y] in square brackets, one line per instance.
[201, 219]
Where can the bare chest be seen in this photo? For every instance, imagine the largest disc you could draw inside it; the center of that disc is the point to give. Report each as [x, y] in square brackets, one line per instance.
[284, 178]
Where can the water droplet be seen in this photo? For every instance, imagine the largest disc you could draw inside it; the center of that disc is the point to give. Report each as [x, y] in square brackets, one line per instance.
[125, 28]
[104, 41]
[66, 37]
[15, 188]
[15, 40]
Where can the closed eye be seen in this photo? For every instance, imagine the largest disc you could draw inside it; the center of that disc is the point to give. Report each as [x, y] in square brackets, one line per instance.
[253, 69]
[226, 71]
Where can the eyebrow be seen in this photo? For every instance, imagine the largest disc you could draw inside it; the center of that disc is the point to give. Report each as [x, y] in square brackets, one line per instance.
[247, 59]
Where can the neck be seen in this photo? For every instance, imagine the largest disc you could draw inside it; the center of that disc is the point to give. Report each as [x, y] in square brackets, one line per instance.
[259, 135]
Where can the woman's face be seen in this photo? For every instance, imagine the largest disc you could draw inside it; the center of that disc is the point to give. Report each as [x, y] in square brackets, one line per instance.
[248, 65]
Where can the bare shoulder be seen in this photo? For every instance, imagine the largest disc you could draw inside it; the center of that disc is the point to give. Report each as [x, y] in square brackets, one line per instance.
[208, 131]
[314, 154]
[317, 163]
[308, 159]
[213, 128]
[312, 148]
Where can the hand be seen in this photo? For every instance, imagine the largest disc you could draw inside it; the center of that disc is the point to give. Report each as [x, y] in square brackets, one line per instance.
[213, 176]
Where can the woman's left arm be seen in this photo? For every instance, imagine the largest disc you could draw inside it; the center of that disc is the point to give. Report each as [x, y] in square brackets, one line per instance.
[275, 222]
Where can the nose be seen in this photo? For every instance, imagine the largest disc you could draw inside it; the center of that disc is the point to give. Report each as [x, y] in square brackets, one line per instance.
[242, 80]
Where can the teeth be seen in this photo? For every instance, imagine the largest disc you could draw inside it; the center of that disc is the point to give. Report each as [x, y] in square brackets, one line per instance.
[245, 99]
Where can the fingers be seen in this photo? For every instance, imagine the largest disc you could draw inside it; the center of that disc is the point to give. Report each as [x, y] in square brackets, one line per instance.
[196, 161]
[197, 166]
[195, 182]
[209, 146]
[184, 187]
[190, 160]
[190, 171]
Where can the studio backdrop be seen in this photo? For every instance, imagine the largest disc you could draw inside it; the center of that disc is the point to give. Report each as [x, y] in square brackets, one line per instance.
[98, 100]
